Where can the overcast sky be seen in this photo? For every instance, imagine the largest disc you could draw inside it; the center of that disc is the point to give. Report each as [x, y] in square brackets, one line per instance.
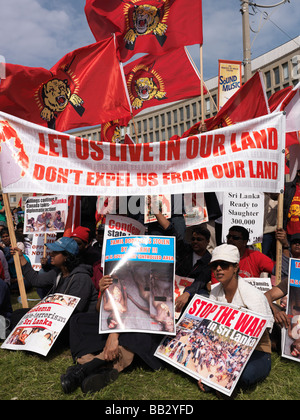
[38, 33]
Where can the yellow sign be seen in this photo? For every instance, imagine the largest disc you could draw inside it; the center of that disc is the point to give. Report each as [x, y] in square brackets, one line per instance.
[229, 81]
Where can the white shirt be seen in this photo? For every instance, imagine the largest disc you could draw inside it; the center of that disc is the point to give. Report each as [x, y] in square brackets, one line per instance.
[246, 296]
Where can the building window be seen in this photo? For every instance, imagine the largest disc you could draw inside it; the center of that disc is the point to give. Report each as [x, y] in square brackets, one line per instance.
[175, 116]
[285, 71]
[156, 121]
[276, 76]
[169, 118]
[12, 199]
[162, 119]
[181, 114]
[207, 105]
[215, 105]
[188, 113]
[296, 68]
[268, 79]
[150, 123]
[145, 125]
[194, 109]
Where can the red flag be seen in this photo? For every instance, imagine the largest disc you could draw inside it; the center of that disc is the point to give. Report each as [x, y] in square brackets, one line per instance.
[128, 140]
[86, 87]
[249, 102]
[278, 97]
[153, 81]
[74, 214]
[152, 26]
[111, 132]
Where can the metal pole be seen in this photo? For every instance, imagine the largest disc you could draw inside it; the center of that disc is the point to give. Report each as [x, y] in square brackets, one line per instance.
[246, 41]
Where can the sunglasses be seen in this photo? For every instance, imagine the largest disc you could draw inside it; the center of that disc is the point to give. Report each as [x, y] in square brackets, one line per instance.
[234, 237]
[223, 264]
[197, 239]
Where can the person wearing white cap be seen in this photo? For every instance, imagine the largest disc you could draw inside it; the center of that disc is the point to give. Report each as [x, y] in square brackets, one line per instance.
[234, 290]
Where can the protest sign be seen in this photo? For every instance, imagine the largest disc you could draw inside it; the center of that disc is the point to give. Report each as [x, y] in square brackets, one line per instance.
[229, 80]
[40, 326]
[155, 204]
[245, 156]
[291, 336]
[195, 209]
[116, 226]
[37, 248]
[261, 283]
[213, 342]
[141, 298]
[46, 214]
[244, 209]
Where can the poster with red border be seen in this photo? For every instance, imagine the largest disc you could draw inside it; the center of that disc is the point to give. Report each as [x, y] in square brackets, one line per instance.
[213, 342]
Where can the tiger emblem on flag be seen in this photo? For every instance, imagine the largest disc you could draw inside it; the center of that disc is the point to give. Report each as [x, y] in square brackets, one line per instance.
[145, 19]
[111, 132]
[56, 96]
[53, 97]
[144, 84]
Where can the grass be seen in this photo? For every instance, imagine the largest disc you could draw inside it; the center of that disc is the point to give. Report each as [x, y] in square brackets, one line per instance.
[28, 376]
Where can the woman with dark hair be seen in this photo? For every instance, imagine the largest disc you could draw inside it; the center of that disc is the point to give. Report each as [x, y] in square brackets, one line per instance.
[233, 289]
[68, 275]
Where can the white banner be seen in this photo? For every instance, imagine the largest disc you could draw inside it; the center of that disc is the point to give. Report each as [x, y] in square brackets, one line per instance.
[247, 156]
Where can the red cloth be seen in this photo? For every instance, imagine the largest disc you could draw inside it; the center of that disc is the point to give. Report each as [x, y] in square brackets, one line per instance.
[2, 274]
[253, 263]
[74, 214]
[249, 102]
[293, 223]
[153, 81]
[82, 233]
[278, 97]
[85, 88]
[152, 26]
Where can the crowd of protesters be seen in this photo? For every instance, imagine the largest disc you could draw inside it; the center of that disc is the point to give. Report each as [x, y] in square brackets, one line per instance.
[74, 268]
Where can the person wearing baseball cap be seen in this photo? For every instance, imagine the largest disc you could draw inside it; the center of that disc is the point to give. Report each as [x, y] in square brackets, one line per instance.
[233, 289]
[67, 276]
[64, 244]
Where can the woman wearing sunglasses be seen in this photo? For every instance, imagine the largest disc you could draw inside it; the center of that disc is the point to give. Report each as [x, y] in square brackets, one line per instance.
[234, 290]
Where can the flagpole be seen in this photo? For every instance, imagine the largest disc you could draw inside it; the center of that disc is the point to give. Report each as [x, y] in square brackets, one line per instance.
[201, 80]
[197, 71]
[278, 243]
[135, 130]
[13, 243]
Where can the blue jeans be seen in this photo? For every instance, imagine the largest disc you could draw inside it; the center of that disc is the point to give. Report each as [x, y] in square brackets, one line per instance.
[257, 369]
